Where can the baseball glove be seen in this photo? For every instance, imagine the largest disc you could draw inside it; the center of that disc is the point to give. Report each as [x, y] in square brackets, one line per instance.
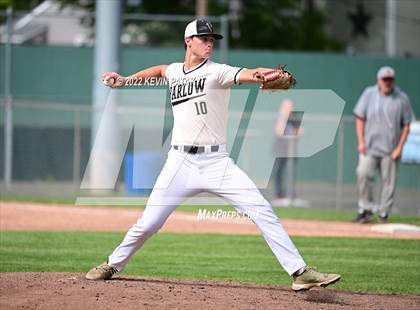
[276, 79]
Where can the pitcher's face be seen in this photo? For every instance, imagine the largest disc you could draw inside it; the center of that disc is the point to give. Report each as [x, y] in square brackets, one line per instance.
[201, 46]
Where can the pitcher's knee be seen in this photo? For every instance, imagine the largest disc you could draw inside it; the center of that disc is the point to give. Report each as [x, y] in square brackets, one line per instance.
[147, 227]
[261, 209]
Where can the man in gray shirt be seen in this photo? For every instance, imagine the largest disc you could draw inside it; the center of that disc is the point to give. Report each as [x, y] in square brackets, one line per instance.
[383, 115]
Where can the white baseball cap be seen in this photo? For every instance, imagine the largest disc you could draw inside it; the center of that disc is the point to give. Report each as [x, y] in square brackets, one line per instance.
[201, 27]
[385, 72]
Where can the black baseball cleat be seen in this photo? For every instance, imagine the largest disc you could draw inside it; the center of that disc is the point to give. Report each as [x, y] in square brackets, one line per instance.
[363, 217]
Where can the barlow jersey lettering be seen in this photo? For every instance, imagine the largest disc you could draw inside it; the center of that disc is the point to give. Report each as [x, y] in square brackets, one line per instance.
[186, 90]
[200, 99]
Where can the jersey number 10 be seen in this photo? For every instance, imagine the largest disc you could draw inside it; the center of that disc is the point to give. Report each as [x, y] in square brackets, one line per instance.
[201, 107]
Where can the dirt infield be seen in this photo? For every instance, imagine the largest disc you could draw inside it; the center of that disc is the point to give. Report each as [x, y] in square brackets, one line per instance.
[32, 216]
[71, 291]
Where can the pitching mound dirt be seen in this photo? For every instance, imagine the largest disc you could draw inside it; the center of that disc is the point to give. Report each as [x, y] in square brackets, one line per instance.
[71, 291]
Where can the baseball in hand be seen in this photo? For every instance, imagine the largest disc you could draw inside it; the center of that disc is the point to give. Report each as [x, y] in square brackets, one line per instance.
[109, 81]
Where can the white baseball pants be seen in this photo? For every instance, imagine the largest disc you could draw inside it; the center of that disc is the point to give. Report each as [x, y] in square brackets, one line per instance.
[185, 175]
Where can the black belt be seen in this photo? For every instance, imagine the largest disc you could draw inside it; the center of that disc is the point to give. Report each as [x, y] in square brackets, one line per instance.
[196, 149]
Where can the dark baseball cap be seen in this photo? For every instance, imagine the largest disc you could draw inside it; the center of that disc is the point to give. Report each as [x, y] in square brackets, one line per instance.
[201, 27]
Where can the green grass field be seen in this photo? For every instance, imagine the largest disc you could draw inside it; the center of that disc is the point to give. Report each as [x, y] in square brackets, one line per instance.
[283, 213]
[367, 265]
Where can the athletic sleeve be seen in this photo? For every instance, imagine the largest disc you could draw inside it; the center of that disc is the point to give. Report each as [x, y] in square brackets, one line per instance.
[228, 76]
[407, 112]
[168, 72]
[360, 110]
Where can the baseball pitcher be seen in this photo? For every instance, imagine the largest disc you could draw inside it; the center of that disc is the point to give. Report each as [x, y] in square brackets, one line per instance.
[198, 160]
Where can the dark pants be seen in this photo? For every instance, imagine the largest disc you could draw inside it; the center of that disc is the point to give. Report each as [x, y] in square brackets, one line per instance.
[279, 171]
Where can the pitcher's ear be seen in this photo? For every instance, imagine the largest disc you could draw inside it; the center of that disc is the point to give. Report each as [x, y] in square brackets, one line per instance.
[187, 41]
